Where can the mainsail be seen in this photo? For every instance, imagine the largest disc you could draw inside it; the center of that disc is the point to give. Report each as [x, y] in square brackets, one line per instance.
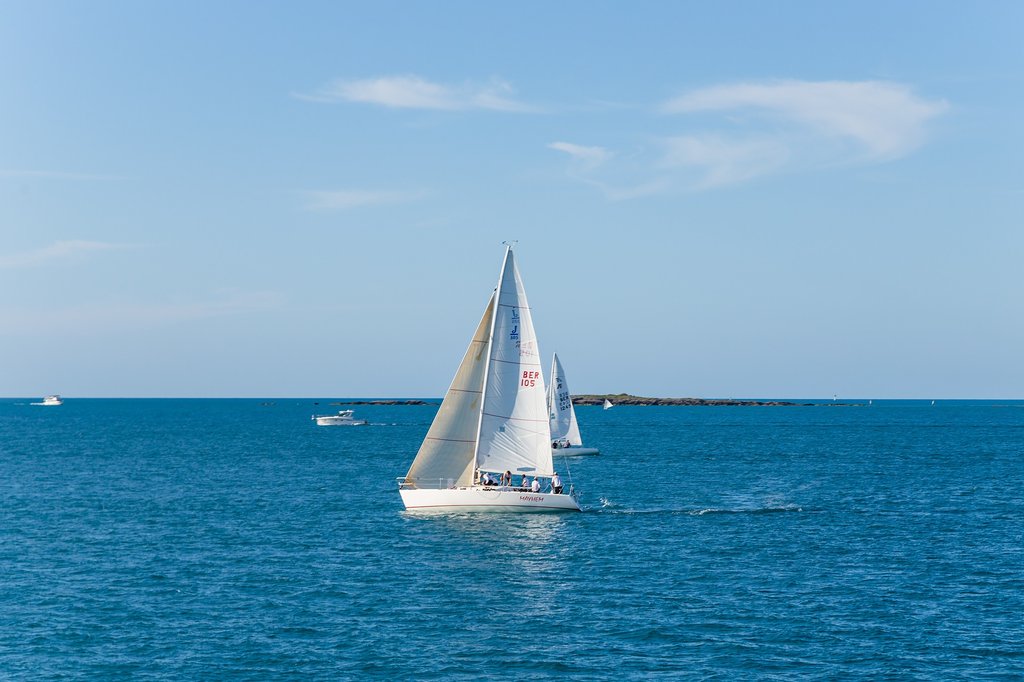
[562, 414]
[448, 450]
[514, 432]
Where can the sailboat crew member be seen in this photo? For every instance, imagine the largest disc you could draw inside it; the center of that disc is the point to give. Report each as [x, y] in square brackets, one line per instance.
[556, 484]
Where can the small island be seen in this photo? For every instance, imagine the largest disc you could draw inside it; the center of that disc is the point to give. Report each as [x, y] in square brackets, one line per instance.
[627, 399]
[386, 402]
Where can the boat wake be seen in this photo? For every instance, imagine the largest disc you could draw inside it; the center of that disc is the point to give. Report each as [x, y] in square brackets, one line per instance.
[610, 507]
[754, 510]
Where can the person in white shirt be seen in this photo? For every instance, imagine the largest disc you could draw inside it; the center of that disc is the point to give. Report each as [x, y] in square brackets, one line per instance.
[556, 484]
[535, 486]
[526, 482]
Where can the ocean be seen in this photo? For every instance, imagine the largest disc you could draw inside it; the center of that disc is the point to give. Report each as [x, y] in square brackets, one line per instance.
[233, 539]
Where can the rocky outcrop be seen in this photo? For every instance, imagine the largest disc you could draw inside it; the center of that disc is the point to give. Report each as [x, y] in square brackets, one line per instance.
[626, 399]
[385, 402]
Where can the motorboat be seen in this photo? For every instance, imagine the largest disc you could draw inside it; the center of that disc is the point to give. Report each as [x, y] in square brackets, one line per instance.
[343, 418]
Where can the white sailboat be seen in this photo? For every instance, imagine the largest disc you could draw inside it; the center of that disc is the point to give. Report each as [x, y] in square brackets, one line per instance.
[608, 404]
[493, 419]
[565, 432]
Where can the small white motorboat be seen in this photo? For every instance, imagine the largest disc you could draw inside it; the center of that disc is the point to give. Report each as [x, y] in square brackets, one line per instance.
[343, 418]
[51, 400]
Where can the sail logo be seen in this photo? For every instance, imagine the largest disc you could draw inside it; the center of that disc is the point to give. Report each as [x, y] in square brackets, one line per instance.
[564, 401]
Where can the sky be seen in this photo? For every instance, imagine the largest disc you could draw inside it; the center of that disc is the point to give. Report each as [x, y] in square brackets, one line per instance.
[728, 199]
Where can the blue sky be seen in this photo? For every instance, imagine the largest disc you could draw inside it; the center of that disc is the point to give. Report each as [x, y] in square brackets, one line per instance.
[711, 199]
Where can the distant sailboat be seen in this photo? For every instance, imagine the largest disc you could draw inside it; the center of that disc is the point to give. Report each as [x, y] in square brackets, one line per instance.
[565, 432]
[493, 419]
[608, 404]
[933, 402]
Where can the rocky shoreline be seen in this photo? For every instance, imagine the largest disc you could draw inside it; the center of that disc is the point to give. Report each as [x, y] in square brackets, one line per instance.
[387, 402]
[626, 399]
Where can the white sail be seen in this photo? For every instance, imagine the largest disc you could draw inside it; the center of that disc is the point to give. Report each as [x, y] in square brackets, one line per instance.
[514, 432]
[561, 412]
[448, 450]
[608, 404]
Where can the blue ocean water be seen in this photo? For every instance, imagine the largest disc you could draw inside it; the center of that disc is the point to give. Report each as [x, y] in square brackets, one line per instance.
[231, 539]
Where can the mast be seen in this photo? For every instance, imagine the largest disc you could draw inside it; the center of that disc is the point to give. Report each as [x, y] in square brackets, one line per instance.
[487, 362]
[551, 387]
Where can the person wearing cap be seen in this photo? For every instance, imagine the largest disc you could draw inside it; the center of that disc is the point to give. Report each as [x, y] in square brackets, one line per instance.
[556, 484]
[535, 486]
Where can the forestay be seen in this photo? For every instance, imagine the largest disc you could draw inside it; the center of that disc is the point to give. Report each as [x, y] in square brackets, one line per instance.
[562, 414]
[448, 450]
[514, 431]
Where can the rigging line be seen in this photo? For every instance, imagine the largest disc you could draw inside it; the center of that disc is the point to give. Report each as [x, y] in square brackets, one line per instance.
[518, 419]
[513, 362]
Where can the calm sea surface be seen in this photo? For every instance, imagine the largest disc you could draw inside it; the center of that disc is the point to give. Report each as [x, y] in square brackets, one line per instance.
[228, 539]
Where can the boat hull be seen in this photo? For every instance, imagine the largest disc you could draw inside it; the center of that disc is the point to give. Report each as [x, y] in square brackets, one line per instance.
[574, 452]
[334, 421]
[477, 499]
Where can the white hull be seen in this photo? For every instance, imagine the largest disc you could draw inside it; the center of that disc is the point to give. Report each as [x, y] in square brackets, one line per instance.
[338, 421]
[50, 401]
[574, 451]
[485, 500]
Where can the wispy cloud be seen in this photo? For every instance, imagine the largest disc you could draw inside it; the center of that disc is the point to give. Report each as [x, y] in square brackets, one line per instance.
[735, 133]
[344, 199]
[413, 92]
[58, 251]
[588, 157]
[722, 161]
[110, 317]
[886, 118]
[53, 175]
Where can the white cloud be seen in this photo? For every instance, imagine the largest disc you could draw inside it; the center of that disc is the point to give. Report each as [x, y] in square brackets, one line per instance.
[723, 161]
[52, 175]
[57, 251]
[413, 92]
[735, 133]
[343, 199]
[590, 157]
[887, 119]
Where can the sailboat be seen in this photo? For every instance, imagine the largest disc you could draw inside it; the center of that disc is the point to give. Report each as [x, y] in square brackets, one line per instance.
[608, 404]
[493, 420]
[565, 432]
